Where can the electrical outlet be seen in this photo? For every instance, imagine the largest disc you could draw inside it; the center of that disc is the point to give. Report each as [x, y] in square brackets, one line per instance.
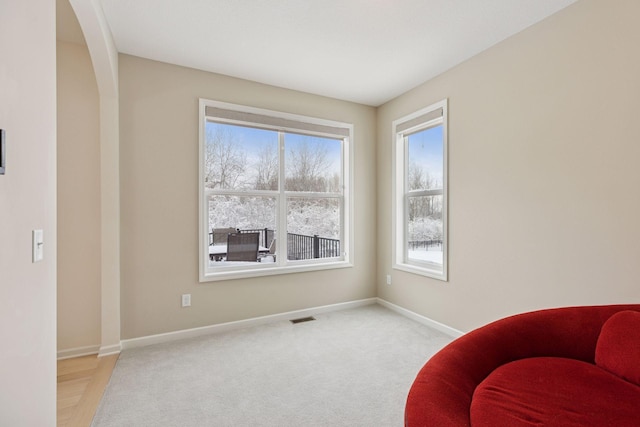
[186, 300]
[388, 279]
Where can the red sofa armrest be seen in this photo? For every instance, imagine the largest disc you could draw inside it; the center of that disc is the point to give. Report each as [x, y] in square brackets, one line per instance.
[442, 391]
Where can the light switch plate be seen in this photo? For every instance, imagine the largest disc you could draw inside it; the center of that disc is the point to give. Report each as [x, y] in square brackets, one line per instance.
[3, 151]
[38, 245]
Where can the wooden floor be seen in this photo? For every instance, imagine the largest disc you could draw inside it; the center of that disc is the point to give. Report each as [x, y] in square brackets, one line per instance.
[81, 382]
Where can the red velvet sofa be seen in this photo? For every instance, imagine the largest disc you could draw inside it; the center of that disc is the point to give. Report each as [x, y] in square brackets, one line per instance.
[574, 366]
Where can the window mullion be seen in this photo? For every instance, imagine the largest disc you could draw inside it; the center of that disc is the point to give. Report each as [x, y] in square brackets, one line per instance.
[241, 193]
[310, 195]
[281, 243]
[405, 229]
[428, 192]
[405, 205]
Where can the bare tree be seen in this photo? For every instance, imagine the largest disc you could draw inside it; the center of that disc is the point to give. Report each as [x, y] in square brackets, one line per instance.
[334, 183]
[225, 161]
[419, 179]
[267, 168]
[427, 206]
[307, 167]
[415, 177]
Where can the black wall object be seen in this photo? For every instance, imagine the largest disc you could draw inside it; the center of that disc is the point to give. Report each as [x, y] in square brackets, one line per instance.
[3, 151]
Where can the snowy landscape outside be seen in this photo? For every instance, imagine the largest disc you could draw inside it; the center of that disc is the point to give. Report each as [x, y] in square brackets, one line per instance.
[424, 225]
[242, 168]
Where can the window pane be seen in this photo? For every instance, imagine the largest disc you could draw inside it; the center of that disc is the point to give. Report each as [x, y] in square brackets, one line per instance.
[312, 163]
[240, 158]
[313, 228]
[263, 169]
[425, 159]
[425, 229]
[246, 214]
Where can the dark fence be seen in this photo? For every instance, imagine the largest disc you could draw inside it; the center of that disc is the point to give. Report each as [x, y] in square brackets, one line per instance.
[266, 235]
[300, 246]
[219, 235]
[426, 244]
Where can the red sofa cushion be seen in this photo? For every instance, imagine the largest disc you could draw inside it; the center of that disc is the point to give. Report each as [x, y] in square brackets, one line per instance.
[618, 347]
[555, 392]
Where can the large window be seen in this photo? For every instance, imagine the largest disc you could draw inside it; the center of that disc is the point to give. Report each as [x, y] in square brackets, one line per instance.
[274, 192]
[420, 192]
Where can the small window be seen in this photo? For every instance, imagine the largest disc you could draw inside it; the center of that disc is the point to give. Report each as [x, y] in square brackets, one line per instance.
[282, 179]
[420, 192]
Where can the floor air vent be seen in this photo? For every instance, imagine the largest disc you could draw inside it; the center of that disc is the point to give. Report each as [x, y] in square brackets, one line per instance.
[302, 319]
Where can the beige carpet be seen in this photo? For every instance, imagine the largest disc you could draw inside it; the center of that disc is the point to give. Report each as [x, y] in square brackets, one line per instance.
[346, 368]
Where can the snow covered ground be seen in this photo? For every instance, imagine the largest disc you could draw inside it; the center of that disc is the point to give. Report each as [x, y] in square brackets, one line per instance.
[433, 254]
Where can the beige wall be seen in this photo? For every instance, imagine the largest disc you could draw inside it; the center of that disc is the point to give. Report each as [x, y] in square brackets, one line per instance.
[544, 146]
[542, 183]
[27, 202]
[78, 200]
[159, 203]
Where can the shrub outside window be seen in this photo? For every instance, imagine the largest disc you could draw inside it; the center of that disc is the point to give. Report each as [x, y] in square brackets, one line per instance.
[420, 192]
[280, 179]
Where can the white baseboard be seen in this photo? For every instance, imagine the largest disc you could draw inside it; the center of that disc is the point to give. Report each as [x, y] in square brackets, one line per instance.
[107, 350]
[240, 324]
[78, 352]
[454, 333]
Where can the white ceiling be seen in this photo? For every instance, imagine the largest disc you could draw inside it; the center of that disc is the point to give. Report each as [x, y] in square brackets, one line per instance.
[366, 51]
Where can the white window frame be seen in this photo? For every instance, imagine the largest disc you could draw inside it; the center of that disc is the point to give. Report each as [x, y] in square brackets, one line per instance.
[282, 122]
[423, 119]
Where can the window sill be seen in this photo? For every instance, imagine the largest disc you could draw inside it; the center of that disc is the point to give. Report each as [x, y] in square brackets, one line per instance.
[422, 271]
[271, 271]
